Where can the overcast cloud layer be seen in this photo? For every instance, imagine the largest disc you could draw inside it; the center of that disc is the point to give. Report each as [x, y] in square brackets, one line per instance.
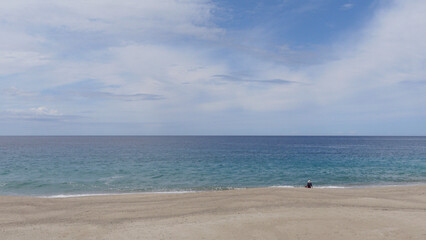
[189, 67]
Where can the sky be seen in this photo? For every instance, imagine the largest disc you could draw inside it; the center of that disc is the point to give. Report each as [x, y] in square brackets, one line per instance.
[213, 67]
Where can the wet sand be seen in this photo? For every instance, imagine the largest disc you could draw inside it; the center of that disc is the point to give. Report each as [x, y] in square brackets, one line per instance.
[260, 213]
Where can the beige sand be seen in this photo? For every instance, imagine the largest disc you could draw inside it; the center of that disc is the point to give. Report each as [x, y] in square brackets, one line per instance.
[265, 213]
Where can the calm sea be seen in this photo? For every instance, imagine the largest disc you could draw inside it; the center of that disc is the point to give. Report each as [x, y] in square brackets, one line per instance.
[48, 166]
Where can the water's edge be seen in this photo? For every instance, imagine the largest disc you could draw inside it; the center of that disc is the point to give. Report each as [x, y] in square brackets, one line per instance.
[227, 189]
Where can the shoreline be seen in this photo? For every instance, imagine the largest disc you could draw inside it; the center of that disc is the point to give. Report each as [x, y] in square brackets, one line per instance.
[255, 213]
[88, 194]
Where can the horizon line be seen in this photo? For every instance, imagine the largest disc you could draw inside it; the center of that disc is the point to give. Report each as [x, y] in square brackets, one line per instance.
[209, 135]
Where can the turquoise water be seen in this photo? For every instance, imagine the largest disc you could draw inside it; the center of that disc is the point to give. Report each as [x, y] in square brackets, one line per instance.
[46, 166]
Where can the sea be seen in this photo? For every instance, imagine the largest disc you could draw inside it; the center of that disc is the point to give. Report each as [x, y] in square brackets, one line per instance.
[66, 166]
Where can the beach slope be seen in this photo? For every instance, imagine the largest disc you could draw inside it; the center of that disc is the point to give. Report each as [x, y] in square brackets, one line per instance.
[260, 213]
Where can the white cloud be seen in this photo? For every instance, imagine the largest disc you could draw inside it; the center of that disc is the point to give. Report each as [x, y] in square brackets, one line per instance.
[125, 17]
[74, 40]
[391, 49]
[44, 111]
[364, 77]
[363, 80]
[41, 113]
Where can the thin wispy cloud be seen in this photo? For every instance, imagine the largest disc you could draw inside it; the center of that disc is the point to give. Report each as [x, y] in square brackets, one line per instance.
[308, 6]
[41, 113]
[122, 97]
[415, 83]
[78, 93]
[228, 78]
[15, 92]
[347, 6]
[95, 90]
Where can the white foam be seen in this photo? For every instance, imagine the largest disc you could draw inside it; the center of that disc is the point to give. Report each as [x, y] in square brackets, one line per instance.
[330, 187]
[78, 195]
[284, 186]
[172, 192]
[193, 191]
[111, 194]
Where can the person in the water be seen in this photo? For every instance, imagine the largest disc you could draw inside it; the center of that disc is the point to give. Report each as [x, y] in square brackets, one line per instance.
[309, 184]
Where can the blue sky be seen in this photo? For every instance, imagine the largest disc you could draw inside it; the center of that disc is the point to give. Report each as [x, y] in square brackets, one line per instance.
[197, 67]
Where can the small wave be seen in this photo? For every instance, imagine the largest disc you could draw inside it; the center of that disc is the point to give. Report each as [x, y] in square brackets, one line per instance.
[171, 192]
[288, 186]
[221, 189]
[111, 194]
[79, 195]
[284, 186]
[389, 185]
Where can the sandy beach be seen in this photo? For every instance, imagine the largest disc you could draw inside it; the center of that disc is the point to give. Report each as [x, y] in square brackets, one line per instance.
[261, 213]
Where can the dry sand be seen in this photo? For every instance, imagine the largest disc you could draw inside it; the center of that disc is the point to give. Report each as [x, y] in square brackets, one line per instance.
[263, 213]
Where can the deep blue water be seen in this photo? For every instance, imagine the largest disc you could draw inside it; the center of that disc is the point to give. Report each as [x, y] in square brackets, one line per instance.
[81, 165]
